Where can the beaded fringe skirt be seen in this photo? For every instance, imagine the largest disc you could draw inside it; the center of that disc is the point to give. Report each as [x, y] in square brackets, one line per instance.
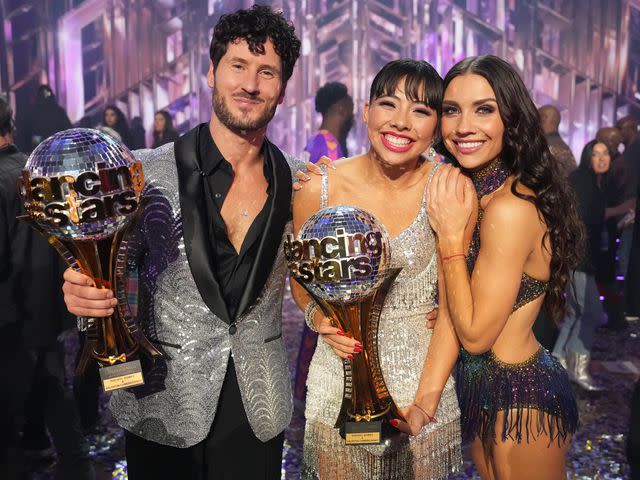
[486, 386]
[427, 457]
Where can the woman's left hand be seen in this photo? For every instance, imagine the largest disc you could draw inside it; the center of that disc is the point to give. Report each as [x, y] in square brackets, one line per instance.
[450, 197]
[414, 420]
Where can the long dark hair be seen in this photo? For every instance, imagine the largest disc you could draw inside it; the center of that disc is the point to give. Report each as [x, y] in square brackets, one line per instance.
[600, 180]
[526, 154]
[121, 126]
[587, 151]
[168, 132]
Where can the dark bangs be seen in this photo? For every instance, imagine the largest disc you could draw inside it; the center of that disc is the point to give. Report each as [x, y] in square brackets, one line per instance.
[421, 82]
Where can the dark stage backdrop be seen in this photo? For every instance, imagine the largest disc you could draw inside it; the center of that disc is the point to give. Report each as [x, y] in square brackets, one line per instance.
[146, 55]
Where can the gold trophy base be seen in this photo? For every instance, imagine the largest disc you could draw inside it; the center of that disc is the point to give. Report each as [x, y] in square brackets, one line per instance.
[123, 375]
[367, 406]
[112, 342]
[363, 433]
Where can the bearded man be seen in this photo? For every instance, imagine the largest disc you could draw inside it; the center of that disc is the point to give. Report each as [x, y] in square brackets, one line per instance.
[211, 274]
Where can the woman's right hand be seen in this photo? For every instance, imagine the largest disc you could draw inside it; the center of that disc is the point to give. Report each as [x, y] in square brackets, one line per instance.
[83, 298]
[343, 345]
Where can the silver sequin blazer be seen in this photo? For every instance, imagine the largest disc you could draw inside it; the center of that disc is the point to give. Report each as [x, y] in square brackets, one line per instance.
[179, 309]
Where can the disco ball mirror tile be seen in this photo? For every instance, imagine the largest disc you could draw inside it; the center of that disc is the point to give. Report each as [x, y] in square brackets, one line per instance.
[81, 184]
[342, 223]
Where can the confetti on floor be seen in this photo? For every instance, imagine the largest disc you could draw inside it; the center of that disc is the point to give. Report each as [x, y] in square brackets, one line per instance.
[597, 451]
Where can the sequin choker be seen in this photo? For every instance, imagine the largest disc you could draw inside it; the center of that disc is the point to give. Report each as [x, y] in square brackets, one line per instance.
[490, 178]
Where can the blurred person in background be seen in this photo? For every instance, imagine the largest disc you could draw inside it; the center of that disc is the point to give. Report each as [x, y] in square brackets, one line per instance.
[163, 131]
[115, 120]
[546, 330]
[632, 299]
[335, 105]
[633, 439]
[33, 315]
[573, 347]
[44, 118]
[617, 179]
[550, 122]
[628, 127]
[138, 134]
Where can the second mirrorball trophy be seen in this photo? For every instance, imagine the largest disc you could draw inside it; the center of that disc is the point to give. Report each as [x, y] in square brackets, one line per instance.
[341, 257]
[81, 189]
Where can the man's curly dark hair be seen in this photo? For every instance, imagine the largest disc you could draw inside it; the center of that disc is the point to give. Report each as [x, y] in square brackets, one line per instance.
[255, 25]
[328, 95]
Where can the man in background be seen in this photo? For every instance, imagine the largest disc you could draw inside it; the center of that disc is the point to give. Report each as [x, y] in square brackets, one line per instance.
[33, 315]
[335, 105]
[550, 122]
[628, 127]
[44, 118]
[615, 190]
[545, 329]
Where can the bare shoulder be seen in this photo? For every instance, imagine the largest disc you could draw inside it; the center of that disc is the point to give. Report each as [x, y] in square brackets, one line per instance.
[310, 189]
[508, 210]
[346, 175]
[348, 166]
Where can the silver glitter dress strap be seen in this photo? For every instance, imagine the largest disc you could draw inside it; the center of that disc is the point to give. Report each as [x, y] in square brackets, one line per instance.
[324, 192]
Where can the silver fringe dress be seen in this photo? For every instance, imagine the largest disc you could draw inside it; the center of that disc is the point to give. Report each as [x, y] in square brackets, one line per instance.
[403, 343]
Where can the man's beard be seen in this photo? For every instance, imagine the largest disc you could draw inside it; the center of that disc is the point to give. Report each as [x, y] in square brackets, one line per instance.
[240, 124]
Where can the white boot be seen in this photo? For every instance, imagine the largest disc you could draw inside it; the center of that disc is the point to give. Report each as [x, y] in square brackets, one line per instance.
[562, 360]
[579, 371]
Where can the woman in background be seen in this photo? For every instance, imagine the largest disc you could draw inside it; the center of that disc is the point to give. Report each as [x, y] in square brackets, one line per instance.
[573, 346]
[163, 131]
[114, 119]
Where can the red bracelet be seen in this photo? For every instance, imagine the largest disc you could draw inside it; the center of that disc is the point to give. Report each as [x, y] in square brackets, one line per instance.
[444, 259]
[429, 417]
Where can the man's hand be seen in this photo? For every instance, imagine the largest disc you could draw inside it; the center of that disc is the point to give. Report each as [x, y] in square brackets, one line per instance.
[84, 299]
[313, 168]
[432, 316]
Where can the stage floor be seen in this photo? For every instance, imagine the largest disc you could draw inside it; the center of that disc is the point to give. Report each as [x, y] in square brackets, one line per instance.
[597, 451]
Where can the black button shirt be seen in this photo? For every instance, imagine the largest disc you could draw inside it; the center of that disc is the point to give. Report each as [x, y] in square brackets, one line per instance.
[231, 268]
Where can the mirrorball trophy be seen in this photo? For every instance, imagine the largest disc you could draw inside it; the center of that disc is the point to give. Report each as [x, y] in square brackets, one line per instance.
[341, 257]
[81, 189]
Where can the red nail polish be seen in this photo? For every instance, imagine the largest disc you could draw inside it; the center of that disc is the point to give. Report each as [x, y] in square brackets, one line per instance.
[358, 344]
[350, 357]
[340, 332]
[357, 349]
[394, 422]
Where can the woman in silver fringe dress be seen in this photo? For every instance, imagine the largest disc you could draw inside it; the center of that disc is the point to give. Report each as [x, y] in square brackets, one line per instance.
[392, 177]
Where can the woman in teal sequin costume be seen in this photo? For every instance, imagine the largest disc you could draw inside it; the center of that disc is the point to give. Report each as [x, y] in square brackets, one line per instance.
[518, 409]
